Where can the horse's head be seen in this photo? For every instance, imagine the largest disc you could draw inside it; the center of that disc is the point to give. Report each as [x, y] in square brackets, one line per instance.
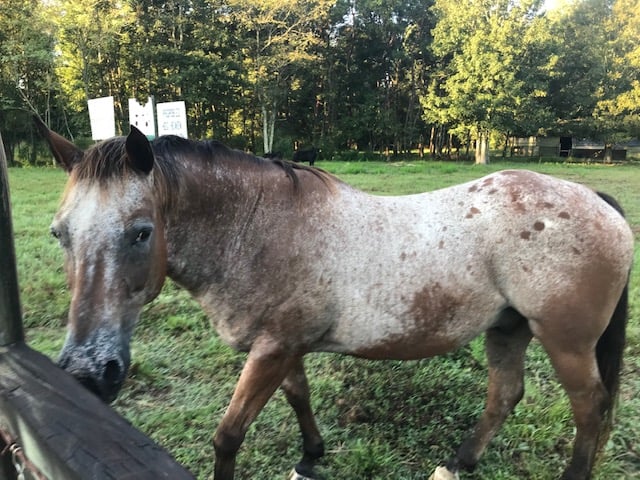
[111, 230]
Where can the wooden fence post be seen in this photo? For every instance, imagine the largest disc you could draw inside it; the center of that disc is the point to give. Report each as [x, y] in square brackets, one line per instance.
[10, 313]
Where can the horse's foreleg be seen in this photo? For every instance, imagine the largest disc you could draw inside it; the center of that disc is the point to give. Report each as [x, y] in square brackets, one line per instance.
[296, 389]
[505, 345]
[264, 370]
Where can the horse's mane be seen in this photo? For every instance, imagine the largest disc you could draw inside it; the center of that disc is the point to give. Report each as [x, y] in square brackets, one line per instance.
[107, 160]
[170, 145]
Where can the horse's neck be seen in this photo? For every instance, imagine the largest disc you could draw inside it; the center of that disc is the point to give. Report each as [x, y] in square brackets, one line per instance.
[211, 217]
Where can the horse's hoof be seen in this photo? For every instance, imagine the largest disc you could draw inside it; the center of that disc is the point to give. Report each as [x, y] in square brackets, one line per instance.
[442, 473]
[294, 475]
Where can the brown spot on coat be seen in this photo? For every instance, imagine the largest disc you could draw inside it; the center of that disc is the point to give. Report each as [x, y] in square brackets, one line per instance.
[538, 226]
[472, 211]
[564, 215]
[432, 309]
[525, 235]
[473, 188]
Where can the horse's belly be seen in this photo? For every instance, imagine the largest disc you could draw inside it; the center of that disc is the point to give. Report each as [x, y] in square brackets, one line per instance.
[429, 322]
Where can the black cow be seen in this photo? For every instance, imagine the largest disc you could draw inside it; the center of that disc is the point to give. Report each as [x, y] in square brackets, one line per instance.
[309, 155]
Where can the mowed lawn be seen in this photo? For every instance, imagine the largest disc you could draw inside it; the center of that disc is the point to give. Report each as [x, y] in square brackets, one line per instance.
[380, 420]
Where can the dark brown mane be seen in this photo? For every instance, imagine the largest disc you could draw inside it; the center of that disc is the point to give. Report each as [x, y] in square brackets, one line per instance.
[103, 161]
[173, 146]
[108, 160]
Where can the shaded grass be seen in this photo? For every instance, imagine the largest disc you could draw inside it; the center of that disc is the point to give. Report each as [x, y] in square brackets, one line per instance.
[380, 420]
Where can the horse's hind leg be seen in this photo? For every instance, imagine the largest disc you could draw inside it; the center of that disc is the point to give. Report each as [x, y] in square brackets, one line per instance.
[506, 344]
[296, 389]
[578, 372]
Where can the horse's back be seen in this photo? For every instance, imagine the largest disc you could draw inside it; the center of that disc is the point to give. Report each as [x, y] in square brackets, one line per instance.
[425, 273]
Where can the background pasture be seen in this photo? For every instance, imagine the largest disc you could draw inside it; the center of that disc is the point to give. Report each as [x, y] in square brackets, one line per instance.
[380, 420]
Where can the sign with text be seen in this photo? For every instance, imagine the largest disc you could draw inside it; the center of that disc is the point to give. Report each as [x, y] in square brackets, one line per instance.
[102, 118]
[141, 117]
[172, 119]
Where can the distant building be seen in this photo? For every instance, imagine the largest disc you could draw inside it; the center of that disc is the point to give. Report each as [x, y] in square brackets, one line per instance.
[565, 147]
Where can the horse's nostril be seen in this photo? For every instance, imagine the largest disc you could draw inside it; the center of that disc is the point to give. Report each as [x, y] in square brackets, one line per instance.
[112, 373]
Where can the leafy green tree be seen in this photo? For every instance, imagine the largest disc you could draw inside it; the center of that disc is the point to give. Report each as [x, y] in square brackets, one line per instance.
[26, 70]
[378, 51]
[594, 73]
[91, 41]
[183, 50]
[278, 38]
[616, 115]
[490, 54]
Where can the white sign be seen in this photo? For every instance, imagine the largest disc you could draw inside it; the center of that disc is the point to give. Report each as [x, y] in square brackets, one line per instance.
[141, 117]
[102, 118]
[172, 119]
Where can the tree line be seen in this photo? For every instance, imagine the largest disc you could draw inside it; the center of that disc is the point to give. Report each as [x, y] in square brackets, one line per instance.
[432, 76]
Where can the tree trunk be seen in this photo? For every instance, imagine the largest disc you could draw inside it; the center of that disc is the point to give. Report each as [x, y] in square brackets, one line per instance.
[482, 148]
[268, 127]
[608, 153]
[432, 148]
[468, 144]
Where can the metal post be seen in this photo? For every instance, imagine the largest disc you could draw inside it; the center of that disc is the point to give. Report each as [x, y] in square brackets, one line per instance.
[10, 312]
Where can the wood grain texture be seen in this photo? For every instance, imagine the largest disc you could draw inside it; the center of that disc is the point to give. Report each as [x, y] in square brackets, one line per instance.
[66, 431]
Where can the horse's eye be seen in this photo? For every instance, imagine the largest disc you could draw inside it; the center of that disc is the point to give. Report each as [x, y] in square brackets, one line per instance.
[54, 233]
[143, 235]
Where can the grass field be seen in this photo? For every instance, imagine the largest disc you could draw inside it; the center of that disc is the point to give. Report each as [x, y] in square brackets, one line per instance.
[380, 420]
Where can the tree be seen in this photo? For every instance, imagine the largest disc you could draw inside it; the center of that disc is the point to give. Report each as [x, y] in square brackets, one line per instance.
[92, 38]
[489, 56]
[616, 115]
[594, 70]
[278, 38]
[26, 70]
[378, 50]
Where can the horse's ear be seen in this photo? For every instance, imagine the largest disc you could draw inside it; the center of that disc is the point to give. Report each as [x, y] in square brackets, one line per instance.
[65, 152]
[139, 151]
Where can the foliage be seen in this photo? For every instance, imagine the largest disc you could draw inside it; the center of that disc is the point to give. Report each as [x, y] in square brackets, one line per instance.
[380, 420]
[372, 75]
[491, 54]
[617, 113]
[594, 77]
[26, 68]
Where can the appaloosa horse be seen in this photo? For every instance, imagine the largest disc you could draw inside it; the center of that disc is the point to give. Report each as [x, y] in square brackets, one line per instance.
[515, 255]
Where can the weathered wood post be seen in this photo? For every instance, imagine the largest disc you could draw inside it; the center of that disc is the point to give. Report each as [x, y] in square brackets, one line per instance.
[10, 313]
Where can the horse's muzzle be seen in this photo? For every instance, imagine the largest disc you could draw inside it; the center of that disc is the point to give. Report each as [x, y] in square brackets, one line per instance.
[102, 377]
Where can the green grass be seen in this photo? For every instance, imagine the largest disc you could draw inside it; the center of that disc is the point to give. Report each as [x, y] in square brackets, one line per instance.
[380, 420]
